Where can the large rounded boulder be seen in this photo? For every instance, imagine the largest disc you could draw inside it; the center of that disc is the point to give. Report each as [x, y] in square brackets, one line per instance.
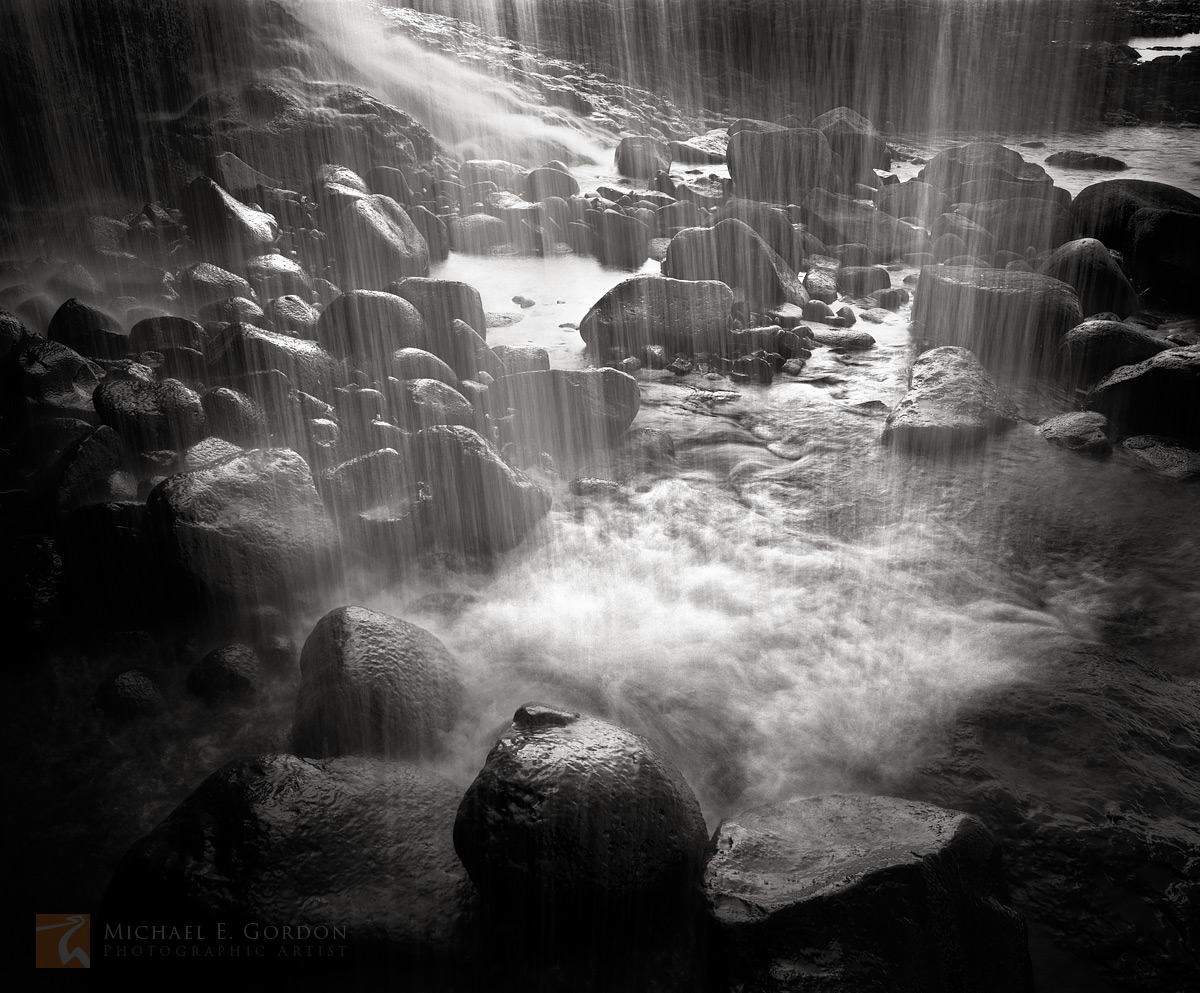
[150, 416]
[1093, 349]
[575, 818]
[360, 845]
[368, 326]
[375, 241]
[780, 166]
[1089, 267]
[1160, 396]
[371, 684]
[852, 893]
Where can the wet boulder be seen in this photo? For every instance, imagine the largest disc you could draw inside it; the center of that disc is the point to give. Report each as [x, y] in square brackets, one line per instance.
[379, 504]
[1164, 251]
[522, 358]
[980, 161]
[837, 220]
[772, 223]
[53, 380]
[705, 149]
[851, 341]
[951, 404]
[422, 403]
[570, 412]
[468, 354]
[375, 241]
[129, 695]
[680, 315]
[848, 893]
[390, 182]
[204, 283]
[780, 166]
[1099, 282]
[854, 139]
[90, 470]
[441, 302]
[1091, 161]
[149, 416]
[372, 684]
[479, 504]
[233, 673]
[1024, 223]
[242, 349]
[153, 334]
[972, 238]
[1166, 457]
[621, 239]
[735, 254]
[642, 157]
[1083, 431]
[235, 417]
[1159, 396]
[88, 330]
[861, 281]
[1012, 320]
[1105, 210]
[251, 528]
[573, 820]
[1093, 349]
[292, 315]
[912, 199]
[223, 228]
[506, 175]
[416, 363]
[274, 275]
[351, 843]
[478, 234]
[367, 326]
[540, 184]
[821, 284]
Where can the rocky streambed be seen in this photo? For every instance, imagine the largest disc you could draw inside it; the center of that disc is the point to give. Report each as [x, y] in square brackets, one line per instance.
[881, 492]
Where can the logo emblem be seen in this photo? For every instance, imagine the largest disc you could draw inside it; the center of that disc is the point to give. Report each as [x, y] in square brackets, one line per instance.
[64, 941]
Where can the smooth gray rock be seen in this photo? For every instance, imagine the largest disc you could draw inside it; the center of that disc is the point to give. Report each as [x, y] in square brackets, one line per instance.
[375, 241]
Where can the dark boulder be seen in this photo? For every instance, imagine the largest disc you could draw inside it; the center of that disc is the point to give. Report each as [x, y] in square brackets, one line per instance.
[980, 161]
[854, 139]
[52, 380]
[230, 674]
[680, 315]
[1105, 210]
[90, 470]
[621, 239]
[390, 182]
[705, 149]
[543, 183]
[781, 167]
[573, 820]
[88, 330]
[380, 505]
[1073, 159]
[1024, 223]
[375, 241]
[350, 843]
[840, 220]
[1160, 395]
[1166, 457]
[1011, 320]
[951, 404]
[151, 416]
[642, 157]
[441, 302]
[153, 334]
[249, 529]
[416, 363]
[240, 350]
[861, 281]
[290, 314]
[235, 417]
[570, 413]
[1099, 282]
[371, 684]
[479, 504]
[853, 893]
[129, 695]
[422, 403]
[1164, 255]
[772, 223]
[1095, 348]
[366, 327]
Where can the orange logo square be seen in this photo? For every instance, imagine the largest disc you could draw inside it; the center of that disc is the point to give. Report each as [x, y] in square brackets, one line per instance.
[64, 941]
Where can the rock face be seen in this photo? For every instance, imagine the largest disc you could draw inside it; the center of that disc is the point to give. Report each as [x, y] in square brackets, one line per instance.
[151, 416]
[1099, 283]
[951, 403]
[1158, 396]
[1079, 431]
[1165, 456]
[642, 157]
[1093, 349]
[850, 893]
[371, 684]
[681, 316]
[733, 253]
[375, 242]
[247, 529]
[350, 842]
[569, 413]
[479, 504]
[573, 817]
[1011, 320]
[780, 166]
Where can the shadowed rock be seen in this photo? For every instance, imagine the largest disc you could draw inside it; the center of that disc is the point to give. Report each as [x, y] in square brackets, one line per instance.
[88, 330]
[840, 220]
[780, 166]
[1098, 281]
[852, 893]
[1158, 396]
[368, 326]
[242, 349]
[855, 139]
[1093, 349]
[1078, 431]
[681, 316]
[371, 684]
[150, 416]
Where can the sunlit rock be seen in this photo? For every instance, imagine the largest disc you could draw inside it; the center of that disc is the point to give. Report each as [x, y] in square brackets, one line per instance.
[423, 403]
[573, 820]
[951, 404]
[351, 843]
[205, 282]
[293, 315]
[1078, 431]
[375, 241]
[1160, 395]
[223, 228]
[249, 529]
[680, 315]
[478, 234]
[368, 326]
[242, 349]
[233, 310]
[1095, 348]
[153, 415]
[780, 167]
[506, 175]
[848, 893]
[852, 341]
[274, 275]
[372, 684]
[1013, 320]
[88, 330]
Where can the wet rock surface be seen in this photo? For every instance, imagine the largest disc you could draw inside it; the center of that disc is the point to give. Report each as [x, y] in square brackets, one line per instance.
[847, 892]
